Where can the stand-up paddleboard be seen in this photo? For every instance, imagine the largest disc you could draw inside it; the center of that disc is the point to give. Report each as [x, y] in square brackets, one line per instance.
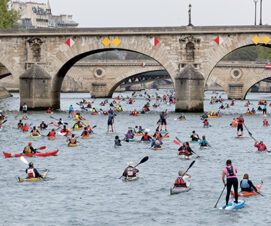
[234, 206]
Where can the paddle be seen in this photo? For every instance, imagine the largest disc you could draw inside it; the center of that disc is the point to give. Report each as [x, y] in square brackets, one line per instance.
[192, 163]
[42, 148]
[220, 196]
[4, 122]
[250, 134]
[145, 159]
[178, 143]
[23, 160]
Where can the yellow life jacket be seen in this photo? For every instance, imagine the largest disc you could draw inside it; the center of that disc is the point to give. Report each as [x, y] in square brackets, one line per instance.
[27, 150]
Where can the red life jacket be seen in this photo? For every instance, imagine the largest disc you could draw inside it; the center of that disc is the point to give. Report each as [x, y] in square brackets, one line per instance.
[34, 132]
[157, 134]
[73, 140]
[206, 123]
[240, 121]
[180, 182]
[30, 172]
[25, 128]
[145, 137]
[52, 134]
[265, 122]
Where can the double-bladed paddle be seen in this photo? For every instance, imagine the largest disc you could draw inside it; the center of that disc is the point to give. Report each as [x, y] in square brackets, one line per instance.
[178, 141]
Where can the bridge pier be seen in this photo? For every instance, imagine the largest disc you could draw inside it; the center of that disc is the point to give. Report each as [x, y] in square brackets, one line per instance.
[99, 89]
[35, 87]
[189, 87]
[236, 91]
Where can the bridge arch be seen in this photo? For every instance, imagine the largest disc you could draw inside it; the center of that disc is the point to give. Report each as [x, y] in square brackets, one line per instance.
[61, 73]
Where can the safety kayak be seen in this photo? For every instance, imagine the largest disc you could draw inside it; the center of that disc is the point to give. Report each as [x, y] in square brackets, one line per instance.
[187, 157]
[247, 193]
[34, 179]
[35, 135]
[72, 145]
[130, 178]
[176, 190]
[234, 206]
[44, 154]
[157, 148]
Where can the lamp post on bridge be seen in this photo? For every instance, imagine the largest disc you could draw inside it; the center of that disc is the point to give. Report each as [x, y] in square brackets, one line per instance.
[255, 20]
[261, 11]
[189, 13]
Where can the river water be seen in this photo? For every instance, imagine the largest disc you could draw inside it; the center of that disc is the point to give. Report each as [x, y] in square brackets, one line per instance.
[82, 187]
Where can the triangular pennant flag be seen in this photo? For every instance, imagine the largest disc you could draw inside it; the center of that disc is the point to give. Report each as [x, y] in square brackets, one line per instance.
[218, 40]
[70, 42]
[154, 41]
[143, 64]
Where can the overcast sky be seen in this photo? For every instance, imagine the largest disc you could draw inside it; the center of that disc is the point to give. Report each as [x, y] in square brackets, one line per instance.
[139, 13]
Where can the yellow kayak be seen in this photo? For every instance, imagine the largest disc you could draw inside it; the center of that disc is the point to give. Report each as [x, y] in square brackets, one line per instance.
[72, 145]
[35, 135]
[138, 134]
[77, 128]
[34, 179]
[157, 148]
[86, 137]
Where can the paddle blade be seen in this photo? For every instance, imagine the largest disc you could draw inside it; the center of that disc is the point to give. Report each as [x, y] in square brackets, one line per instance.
[94, 126]
[178, 139]
[145, 159]
[43, 147]
[23, 160]
[176, 142]
[192, 163]
[85, 123]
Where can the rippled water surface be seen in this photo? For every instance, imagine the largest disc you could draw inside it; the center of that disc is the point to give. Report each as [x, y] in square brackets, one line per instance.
[83, 188]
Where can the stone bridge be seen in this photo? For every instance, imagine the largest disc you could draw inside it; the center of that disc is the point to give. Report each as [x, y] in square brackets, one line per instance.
[42, 58]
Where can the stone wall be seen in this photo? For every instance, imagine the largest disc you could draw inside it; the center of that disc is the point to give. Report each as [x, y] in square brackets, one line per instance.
[4, 93]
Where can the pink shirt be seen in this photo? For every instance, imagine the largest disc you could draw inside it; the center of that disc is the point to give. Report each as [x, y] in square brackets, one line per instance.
[227, 173]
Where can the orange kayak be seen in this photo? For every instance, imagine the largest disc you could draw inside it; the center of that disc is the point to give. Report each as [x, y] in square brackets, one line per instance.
[247, 193]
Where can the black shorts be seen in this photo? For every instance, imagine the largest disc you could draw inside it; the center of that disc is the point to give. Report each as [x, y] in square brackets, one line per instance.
[163, 121]
[240, 127]
[109, 122]
[24, 111]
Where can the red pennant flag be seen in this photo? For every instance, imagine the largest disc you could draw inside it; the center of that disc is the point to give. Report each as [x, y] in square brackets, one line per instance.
[70, 42]
[154, 41]
[143, 64]
[219, 40]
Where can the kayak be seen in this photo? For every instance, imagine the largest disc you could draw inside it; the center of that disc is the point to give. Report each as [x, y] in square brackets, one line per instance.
[34, 179]
[234, 206]
[51, 138]
[35, 135]
[94, 113]
[146, 141]
[78, 128]
[166, 136]
[138, 134]
[215, 116]
[129, 140]
[44, 154]
[72, 145]
[110, 132]
[247, 193]
[176, 190]
[240, 137]
[157, 148]
[203, 147]
[86, 137]
[130, 178]
[75, 119]
[187, 157]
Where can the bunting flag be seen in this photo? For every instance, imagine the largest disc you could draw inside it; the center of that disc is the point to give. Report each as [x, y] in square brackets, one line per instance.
[218, 40]
[70, 42]
[154, 41]
[268, 66]
[143, 64]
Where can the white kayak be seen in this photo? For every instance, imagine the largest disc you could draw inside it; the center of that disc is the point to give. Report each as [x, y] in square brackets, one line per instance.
[234, 206]
[204, 147]
[130, 178]
[176, 190]
[187, 157]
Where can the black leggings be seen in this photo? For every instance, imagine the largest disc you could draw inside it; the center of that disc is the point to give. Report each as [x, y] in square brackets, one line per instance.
[230, 182]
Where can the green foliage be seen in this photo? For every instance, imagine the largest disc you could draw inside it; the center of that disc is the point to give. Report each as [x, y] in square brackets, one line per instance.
[249, 53]
[7, 17]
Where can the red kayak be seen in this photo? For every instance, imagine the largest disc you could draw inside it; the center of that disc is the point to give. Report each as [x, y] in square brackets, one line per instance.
[50, 153]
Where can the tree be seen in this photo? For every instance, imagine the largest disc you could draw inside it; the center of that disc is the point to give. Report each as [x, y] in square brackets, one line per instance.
[8, 17]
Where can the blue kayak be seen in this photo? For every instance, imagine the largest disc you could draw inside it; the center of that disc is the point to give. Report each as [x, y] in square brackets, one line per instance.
[146, 141]
[233, 206]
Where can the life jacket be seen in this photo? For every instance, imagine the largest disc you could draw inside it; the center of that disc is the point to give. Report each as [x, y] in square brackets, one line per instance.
[48, 111]
[30, 173]
[180, 182]
[206, 123]
[145, 137]
[265, 122]
[73, 141]
[157, 134]
[240, 121]
[76, 117]
[20, 125]
[203, 143]
[76, 126]
[52, 134]
[25, 128]
[244, 183]
[85, 134]
[184, 151]
[130, 172]
[27, 150]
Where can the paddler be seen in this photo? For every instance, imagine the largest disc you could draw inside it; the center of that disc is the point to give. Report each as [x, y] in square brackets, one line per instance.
[49, 111]
[204, 116]
[205, 123]
[117, 141]
[25, 111]
[203, 142]
[71, 110]
[90, 131]
[110, 121]
[129, 135]
[194, 136]
[233, 123]
[240, 122]
[20, 124]
[157, 134]
[25, 128]
[146, 137]
[265, 122]
[52, 133]
[182, 117]
[264, 110]
[130, 171]
[43, 125]
[230, 172]
[72, 140]
[185, 149]
[261, 146]
[163, 120]
[60, 122]
[65, 130]
[156, 143]
[85, 133]
[181, 181]
[35, 132]
[77, 125]
[32, 172]
[29, 149]
[247, 185]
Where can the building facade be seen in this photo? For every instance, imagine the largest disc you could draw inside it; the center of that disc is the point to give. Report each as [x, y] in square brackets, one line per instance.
[39, 15]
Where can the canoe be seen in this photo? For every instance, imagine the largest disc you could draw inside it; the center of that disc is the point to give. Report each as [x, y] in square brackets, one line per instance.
[72, 145]
[51, 138]
[35, 136]
[176, 190]
[187, 157]
[157, 148]
[130, 178]
[138, 134]
[234, 206]
[86, 137]
[247, 193]
[44, 154]
[34, 179]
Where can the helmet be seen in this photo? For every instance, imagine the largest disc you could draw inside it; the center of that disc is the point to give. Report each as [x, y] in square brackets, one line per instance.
[31, 164]
[30, 143]
[180, 172]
